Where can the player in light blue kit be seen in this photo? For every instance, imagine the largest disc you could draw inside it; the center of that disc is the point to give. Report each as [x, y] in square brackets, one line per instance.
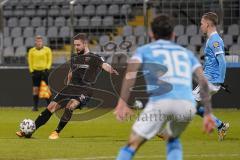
[214, 65]
[169, 68]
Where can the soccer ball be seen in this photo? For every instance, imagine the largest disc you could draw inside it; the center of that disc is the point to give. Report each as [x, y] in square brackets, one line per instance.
[27, 126]
[138, 104]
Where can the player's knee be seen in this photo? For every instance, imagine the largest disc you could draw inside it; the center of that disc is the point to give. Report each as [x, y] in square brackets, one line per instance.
[52, 107]
[35, 90]
[135, 141]
[72, 104]
[70, 107]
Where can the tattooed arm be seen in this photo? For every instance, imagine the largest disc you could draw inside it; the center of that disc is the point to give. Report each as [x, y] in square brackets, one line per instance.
[69, 76]
[206, 99]
[122, 110]
[204, 90]
[108, 68]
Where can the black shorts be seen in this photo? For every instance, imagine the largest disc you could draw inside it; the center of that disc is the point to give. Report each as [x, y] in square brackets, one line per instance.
[38, 76]
[69, 92]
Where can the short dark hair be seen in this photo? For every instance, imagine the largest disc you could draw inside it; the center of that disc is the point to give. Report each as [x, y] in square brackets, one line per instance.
[162, 26]
[81, 36]
[211, 16]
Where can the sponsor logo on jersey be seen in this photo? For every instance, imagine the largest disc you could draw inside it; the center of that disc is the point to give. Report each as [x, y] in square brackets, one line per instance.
[81, 65]
[216, 44]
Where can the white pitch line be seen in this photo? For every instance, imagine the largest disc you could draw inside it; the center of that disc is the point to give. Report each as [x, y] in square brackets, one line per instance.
[151, 157]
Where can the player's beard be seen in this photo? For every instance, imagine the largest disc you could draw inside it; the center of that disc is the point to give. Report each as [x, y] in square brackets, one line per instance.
[81, 52]
[39, 47]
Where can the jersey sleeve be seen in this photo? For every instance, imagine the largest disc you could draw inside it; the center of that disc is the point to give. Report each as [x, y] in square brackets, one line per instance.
[49, 58]
[194, 62]
[99, 60]
[138, 55]
[72, 61]
[30, 60]
[217, 47]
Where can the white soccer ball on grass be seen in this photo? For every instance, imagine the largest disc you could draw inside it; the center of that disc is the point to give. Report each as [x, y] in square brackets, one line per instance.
[27, 126]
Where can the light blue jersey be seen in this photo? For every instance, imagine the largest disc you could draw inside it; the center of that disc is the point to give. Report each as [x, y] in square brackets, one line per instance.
[178, 63]
[213, 70]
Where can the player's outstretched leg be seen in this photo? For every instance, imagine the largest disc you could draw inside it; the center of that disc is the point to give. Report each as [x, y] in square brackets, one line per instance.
[43, 117]
[174, 149]
[221, 126]
[72, 104]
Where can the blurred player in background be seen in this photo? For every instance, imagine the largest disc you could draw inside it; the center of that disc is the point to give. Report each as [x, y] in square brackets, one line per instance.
[85, 67]
[177, 104]
[214, 65]
[40, 62]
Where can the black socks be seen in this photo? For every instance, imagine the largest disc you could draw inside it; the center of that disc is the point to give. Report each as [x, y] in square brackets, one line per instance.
[35, 100]
[43, 118]
[64, 119]
[46, 114]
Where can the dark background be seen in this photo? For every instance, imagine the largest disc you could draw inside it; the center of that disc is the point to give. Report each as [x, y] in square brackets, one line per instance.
[16, 87]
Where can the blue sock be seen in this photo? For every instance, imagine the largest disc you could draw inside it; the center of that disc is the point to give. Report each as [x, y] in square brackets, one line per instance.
[174, 149]
[200, 112]
[218, 122]
[126, 153]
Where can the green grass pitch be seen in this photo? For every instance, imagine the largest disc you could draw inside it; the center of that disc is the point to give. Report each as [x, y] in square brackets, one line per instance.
[101, 138]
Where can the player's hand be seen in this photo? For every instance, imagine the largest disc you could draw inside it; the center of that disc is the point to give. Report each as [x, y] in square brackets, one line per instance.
[122, 111]
[115, 72]
[208, 123]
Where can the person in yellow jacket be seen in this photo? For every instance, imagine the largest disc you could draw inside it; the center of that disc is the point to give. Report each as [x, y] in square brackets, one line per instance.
[40, 62]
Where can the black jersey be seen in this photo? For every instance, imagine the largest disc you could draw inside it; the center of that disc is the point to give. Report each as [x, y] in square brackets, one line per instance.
[85, 69]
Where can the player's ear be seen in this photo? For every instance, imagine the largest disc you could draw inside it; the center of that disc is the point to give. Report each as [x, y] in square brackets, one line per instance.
[85, 44]
[173, 35]
[208, 24]
[86, 47]
[150, 33]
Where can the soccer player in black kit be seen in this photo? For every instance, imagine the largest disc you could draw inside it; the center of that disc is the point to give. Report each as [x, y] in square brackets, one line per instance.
[85, 67]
